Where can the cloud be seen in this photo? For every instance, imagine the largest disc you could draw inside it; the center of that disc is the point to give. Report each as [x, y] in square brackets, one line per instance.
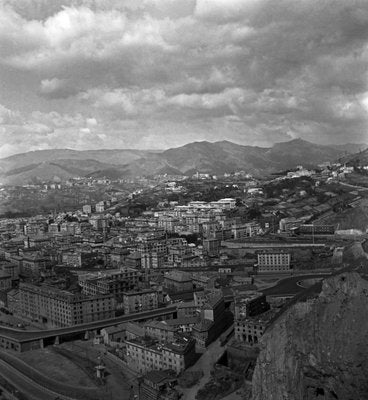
[123, 102]
[224, 11]
[8, 116]
[163, 72]
[42, 130]
[228, 102]
[56, 88]
[74, 35]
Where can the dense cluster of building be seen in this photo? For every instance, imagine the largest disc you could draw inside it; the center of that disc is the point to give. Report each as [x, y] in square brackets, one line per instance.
[94, 264]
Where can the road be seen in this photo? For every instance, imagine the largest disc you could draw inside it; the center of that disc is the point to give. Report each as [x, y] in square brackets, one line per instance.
[23, 336]
[49, 385]
[289, 286]
[28, 387]
[205, 363]
[353, 186]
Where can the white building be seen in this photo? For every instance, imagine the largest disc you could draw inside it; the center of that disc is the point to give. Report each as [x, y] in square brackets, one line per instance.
[273, 261]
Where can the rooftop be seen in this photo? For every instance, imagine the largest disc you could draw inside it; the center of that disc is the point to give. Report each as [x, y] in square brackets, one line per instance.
[182, 321]
[159, 325]
[178, 276]
[134, 328]
[115, 328]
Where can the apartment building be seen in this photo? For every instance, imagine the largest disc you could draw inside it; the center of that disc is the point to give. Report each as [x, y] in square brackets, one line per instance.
[152, 259]
[250, 330]
[58, 308]
[212, 321]
[178, 281]
[145, 354]
[176, 254]
[311, 229]
[187, 309]
[224, 204]
[154, 252]
[241, 231]
[5, 281]
[36, 241]
[10, 268]
[114, 282]
[70, 228]
[273, 261]
[168, 223]
[134, 260]
[158, 385]
[287, 224]
[100, 207]
[78, 259]
[140, 300]
[118, 256]
[87, 209]
[250, 304]
[33, 263]
[160, 331]
[211, 247]
[183, 324]
[98, 222]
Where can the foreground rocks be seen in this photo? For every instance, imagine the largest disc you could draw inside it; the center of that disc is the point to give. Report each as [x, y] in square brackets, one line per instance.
[318, 349]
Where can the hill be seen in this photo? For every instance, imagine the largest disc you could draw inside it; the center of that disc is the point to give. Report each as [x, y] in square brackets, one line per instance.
[120, 157]
[358, 159]
[61, 164]
[56, 171]
[317, 349]
[225, 156]
[204, 157]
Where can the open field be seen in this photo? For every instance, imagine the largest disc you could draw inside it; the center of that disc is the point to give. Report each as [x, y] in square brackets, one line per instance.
[57, 367]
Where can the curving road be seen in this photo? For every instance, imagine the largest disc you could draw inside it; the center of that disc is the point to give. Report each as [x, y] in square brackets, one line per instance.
[289, 286]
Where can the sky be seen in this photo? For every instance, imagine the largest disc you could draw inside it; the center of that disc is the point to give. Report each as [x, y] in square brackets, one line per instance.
[154, 74]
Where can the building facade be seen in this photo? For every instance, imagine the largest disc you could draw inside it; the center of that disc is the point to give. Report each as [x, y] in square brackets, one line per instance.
[273, 261]
[250, 304]
[178, 281]
[140, 300]
[60, 308]
[147, 354]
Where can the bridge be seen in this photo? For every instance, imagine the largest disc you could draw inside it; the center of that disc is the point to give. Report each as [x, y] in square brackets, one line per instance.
[21, 340]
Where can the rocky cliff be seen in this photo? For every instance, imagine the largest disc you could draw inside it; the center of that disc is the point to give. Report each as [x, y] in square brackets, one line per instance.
[318, 349]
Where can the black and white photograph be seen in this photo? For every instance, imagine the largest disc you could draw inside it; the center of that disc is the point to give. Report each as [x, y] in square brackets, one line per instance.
[183, 199]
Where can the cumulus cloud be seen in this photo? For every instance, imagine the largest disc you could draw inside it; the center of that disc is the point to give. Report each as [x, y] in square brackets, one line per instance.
[56, 88]
[164, 72]
[8, 116]
[29, 131]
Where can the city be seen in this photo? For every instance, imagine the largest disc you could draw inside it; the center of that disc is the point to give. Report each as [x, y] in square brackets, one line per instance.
[147, 290]
[183, 200]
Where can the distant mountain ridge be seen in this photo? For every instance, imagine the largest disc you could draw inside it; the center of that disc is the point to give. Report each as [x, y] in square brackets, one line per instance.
[205, 157]
[120, 156]
[357, 159]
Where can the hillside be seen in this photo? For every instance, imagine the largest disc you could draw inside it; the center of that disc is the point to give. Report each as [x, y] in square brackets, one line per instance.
[205, 157]
[57, 171]
[216, 157]
[119, 157]
[61, 164]
[299, 151]
[224, 156]
[358, 159]
[318, 348]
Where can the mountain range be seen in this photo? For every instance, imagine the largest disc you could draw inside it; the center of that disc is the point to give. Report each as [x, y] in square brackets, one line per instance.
[356, 159]
[204, 157]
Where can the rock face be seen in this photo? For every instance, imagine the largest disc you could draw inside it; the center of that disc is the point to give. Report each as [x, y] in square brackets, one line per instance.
[318, 349]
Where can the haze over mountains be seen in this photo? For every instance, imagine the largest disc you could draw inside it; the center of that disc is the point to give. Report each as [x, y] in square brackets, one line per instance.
[205, 157]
